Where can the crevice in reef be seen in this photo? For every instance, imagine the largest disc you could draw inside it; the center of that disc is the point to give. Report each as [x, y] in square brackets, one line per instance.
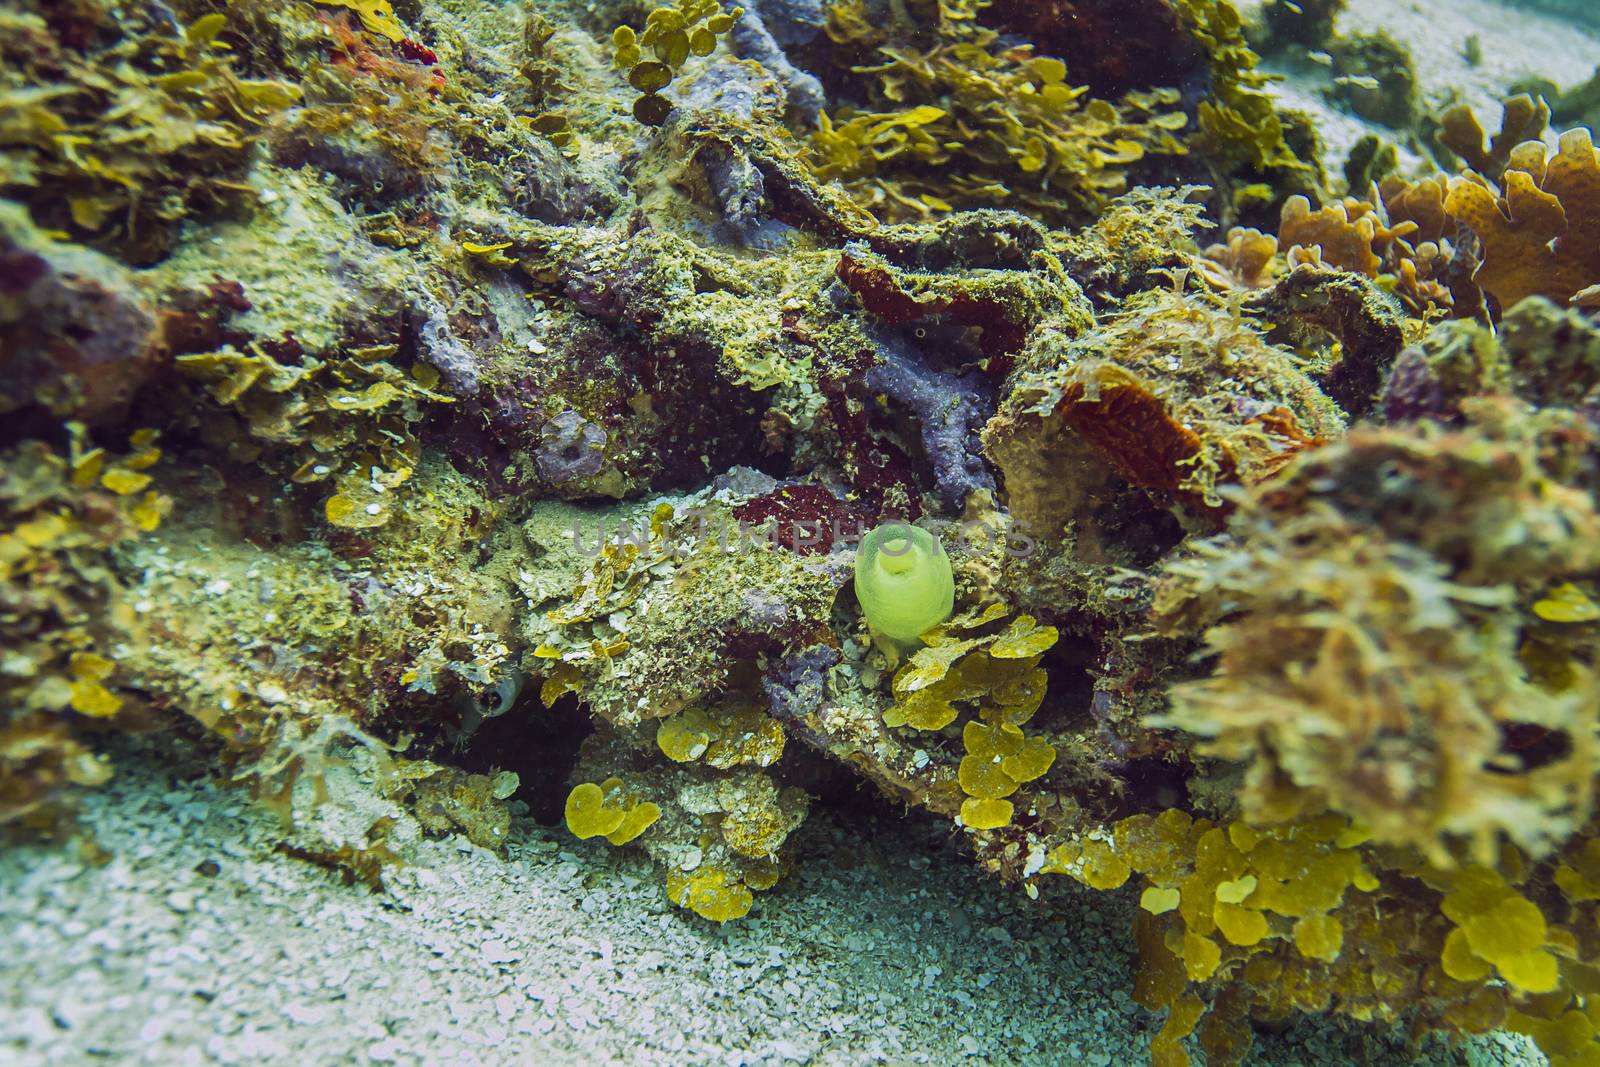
[538, 744]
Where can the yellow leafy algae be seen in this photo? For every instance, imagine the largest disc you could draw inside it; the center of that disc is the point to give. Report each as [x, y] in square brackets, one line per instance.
[980, 773]
[986, 814]
[957, 669]
[957, 117]
[587, 813]
[377, 16]
[66, 620]
[635, 821]
[710, 893]
[1566, 603]
[726, 736]
[124, 482]
[1159, 901]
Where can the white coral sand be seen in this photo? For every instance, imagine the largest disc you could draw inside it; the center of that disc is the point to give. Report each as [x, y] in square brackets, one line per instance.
[199, 943]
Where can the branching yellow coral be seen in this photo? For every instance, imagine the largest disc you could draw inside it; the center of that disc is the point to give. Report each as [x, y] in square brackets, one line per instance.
[1541, 233]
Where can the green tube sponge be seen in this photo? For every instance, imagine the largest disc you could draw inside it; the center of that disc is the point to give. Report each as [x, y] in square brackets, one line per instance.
[903, 581]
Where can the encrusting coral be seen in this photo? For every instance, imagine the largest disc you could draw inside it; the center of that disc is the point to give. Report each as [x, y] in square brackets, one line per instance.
[1176, 395]
[446, 397]
[81, 337]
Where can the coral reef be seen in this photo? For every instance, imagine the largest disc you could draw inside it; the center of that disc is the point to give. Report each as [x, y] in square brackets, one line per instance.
[499, 402]
[1470, 245]
[1177, 396]
[1523, 119]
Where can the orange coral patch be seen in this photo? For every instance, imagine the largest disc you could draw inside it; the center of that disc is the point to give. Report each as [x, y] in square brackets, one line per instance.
[1541, 235]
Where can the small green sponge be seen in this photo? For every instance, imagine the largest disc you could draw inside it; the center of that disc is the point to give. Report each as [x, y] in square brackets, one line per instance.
[903, 581]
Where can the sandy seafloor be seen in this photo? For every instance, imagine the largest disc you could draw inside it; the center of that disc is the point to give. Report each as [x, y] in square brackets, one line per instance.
[198, 942]
[1517, 42]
